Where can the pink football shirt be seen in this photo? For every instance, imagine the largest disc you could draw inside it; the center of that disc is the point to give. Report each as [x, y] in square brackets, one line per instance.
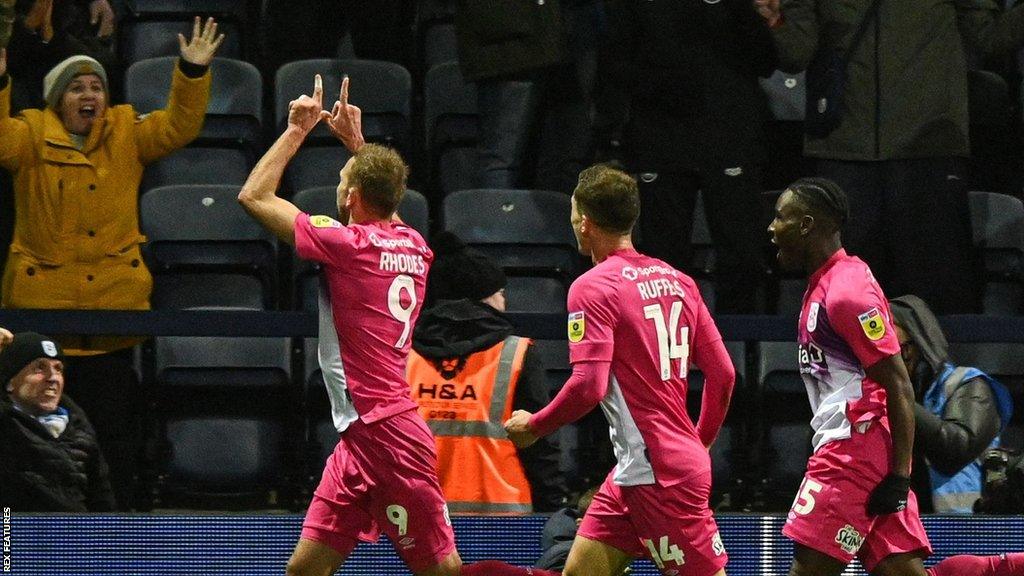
[845, 326]
[376, 277]
[644, 317]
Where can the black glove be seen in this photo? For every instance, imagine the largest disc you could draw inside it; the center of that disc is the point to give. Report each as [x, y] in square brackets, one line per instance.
[890, 496]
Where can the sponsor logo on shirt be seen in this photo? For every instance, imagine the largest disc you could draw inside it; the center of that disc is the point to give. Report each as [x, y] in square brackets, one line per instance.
[631, 273]
[811, 356]
[849, 539]
[872, 323]
[812, 316]
[391, 243]
[321, 221]
[577, 326]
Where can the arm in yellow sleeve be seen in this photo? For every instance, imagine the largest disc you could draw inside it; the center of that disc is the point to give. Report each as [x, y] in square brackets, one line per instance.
[164, 131]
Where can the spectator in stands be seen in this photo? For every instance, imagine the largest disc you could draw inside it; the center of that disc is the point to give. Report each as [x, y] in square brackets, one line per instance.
[51, 459]
[48, 31]
[468, 372]
[682, 88]
[378, 30]
[560, 531]
[900, 146]
[959, 414]
[6, 21]
[529, 63]
[76, 167]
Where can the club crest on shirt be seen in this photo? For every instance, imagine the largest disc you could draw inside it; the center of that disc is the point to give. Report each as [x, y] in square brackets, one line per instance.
[577, 326]
[812, 316]
[872, 323]
[321, 221]
[49, 348]
[849, 539]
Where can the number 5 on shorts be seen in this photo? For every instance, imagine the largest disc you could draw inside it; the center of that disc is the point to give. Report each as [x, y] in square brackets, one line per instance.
[664, 552]
[804, 502]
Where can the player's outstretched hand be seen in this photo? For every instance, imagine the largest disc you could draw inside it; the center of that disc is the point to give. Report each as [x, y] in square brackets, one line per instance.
[5, 337]
[304, 111]
[518, 429]
[890, 496]
[199, 49]
[345, 120]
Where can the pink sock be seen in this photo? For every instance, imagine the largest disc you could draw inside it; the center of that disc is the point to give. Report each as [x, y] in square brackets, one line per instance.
[1002, 565]
[497, 568]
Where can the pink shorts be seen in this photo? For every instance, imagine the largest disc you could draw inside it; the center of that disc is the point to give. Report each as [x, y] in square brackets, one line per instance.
[830, 511]
[383, 476]
[671, 525]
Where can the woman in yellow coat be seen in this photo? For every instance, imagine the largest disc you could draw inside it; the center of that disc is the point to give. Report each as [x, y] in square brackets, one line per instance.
[76, 167]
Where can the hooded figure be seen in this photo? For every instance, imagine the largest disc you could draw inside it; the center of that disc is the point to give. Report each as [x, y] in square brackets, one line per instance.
[960, 412]
[468, 372]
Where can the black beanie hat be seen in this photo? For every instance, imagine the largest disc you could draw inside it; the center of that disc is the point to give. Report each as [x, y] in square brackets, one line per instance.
[461, 272]
[26, 347]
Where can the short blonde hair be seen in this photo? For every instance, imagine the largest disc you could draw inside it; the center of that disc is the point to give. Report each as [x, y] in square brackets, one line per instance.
[380, 174]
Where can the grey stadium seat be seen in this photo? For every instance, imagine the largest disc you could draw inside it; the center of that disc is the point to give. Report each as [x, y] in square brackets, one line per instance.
[202, 230]
[998, 223]
[149, 39]
[198, 166]
[451, 126]
[520, 229]
[223, 404]
[785, 420]
[234, 114]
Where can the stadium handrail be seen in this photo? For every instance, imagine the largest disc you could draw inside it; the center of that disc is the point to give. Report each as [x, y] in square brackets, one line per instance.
[960, 328]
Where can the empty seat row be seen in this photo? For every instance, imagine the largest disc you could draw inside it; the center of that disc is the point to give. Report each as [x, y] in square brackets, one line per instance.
[236, 419]
[199, 230]
[204, 250]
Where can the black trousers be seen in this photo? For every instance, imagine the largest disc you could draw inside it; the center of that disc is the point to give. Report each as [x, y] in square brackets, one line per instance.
[910, 221]
[732, 202]
[106, 387]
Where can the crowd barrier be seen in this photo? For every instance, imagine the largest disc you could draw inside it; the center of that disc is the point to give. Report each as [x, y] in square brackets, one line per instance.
[959, 328]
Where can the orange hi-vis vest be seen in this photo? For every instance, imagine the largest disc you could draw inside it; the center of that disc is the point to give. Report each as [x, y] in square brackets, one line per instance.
[478, 467]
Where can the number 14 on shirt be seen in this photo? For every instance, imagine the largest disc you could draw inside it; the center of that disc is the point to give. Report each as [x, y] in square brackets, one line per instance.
[672, 339]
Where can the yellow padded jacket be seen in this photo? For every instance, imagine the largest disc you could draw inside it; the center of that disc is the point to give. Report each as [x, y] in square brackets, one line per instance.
[76, 235]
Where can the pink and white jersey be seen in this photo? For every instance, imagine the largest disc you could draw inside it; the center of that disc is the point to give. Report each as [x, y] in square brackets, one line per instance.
[643, 316]
[376, 277]
[845, 326]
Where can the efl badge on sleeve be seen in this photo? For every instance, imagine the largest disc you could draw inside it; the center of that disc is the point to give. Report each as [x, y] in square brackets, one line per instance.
[320, 221]
[577, 326]
[872, 323]
[812, 316]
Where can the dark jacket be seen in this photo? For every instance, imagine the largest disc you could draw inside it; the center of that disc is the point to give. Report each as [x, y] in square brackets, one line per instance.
[29, 58]
[687, 72]
[970, 420]
[457, 328]
[906, 89]
[556, 539]
[508, 38]
[40, 473]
